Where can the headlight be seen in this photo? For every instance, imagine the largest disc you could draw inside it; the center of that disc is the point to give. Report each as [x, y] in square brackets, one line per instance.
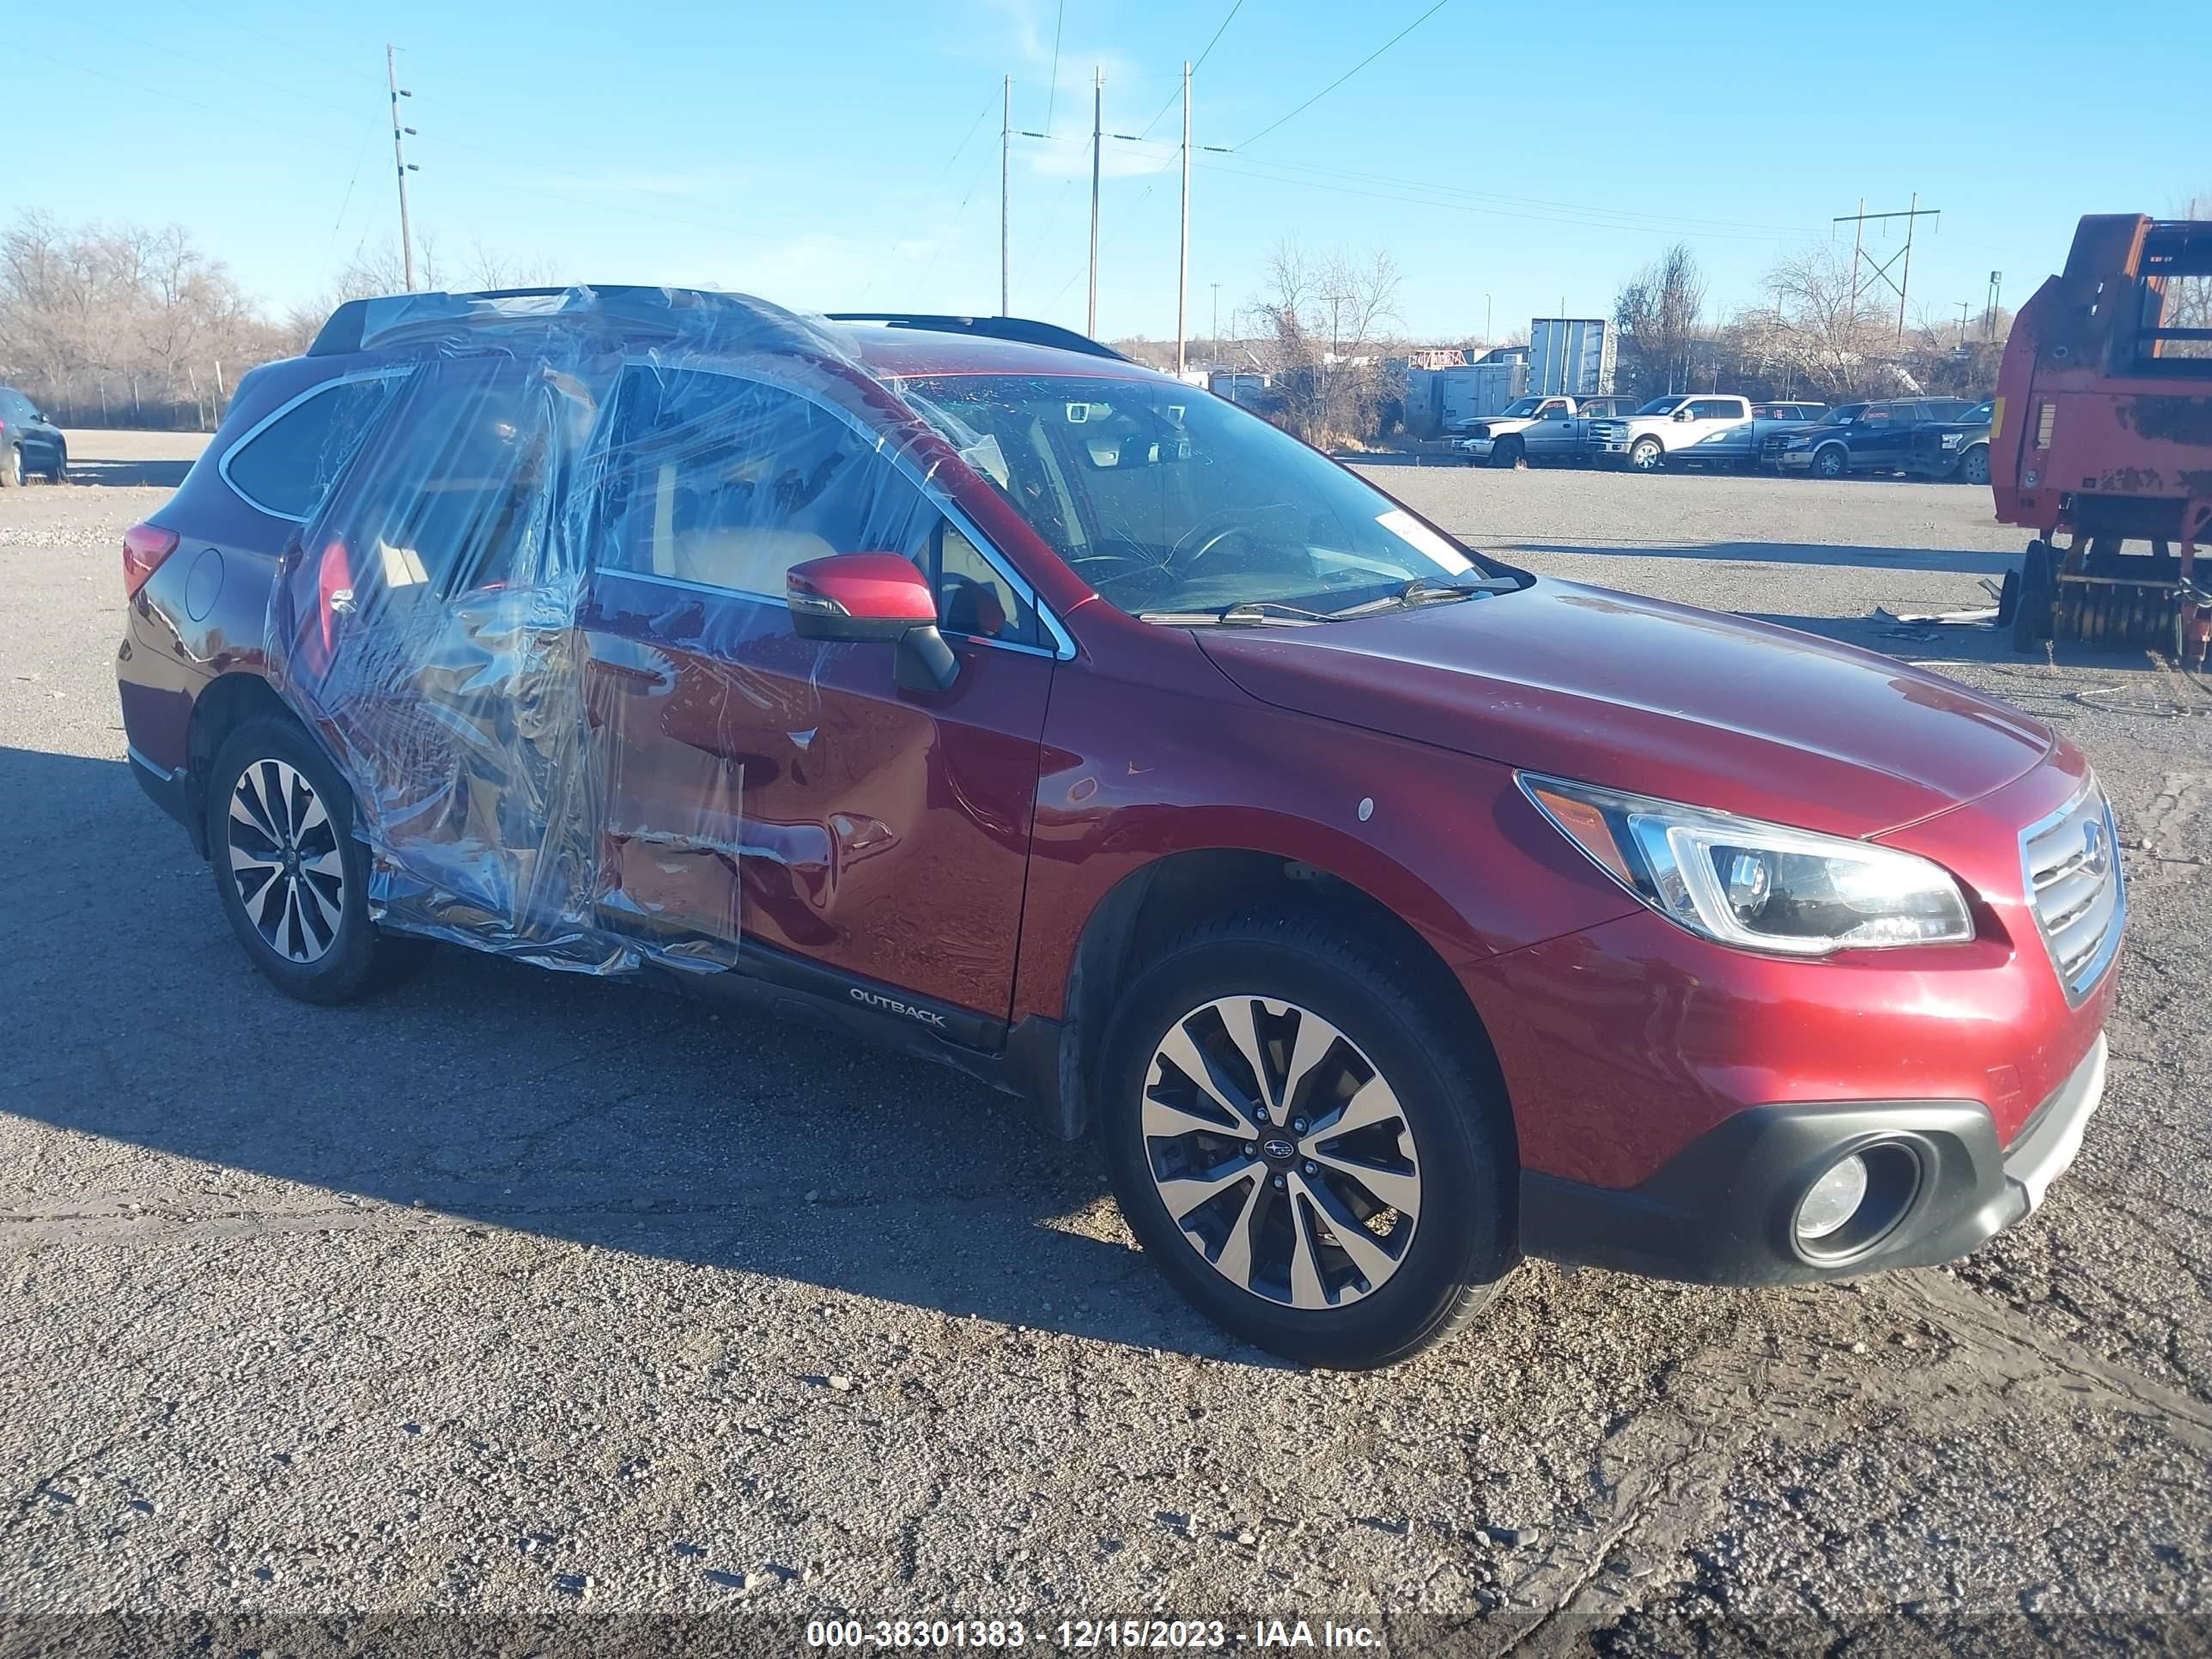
[1951, 440]
[1760, 886]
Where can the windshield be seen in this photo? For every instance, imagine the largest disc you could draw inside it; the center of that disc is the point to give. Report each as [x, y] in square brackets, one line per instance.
[1842, 415]
[1978, 416]
[1662, 406]
[1520, 406]
[1166, 499]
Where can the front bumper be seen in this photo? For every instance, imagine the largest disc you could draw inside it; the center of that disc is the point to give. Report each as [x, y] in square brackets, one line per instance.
[1477, 448]
[1794, 460]
[1720, 1211]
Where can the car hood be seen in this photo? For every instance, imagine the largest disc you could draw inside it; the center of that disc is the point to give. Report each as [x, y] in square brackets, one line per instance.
[1656, 698]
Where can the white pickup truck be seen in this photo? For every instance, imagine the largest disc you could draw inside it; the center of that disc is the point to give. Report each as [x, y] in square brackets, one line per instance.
[1709, 429]
[1541, 428]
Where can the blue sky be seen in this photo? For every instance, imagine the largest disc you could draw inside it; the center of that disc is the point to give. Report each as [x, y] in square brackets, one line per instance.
[845, 154]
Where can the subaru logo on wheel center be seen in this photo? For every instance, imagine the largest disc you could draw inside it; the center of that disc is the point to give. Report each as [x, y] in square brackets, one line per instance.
[1278, 1149]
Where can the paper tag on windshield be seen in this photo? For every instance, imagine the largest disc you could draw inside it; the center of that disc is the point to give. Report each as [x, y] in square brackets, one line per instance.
[1407, 528]
[986, 458]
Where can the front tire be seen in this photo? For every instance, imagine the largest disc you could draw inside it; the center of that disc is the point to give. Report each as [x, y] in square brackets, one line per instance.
[1647, 455]
[11, 466]
[1974, 466]
[1301, 1145]
[1510, 452]
[1832, 461]
[290, 876]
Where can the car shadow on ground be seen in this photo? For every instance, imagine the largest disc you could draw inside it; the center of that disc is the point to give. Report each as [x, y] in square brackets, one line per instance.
[594, 1112]
[1941, 561]
[114, 474]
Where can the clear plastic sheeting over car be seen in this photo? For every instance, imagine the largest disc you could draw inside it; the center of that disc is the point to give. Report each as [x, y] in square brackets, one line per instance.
[505, 616]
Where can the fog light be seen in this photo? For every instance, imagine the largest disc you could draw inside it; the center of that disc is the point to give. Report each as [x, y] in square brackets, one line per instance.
[1832, 1199]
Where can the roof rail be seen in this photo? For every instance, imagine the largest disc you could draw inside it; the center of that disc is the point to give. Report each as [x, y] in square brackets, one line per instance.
[426, 315]
[1023, 329]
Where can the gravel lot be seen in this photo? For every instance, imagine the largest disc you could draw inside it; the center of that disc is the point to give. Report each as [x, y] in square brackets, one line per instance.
[514, 1295]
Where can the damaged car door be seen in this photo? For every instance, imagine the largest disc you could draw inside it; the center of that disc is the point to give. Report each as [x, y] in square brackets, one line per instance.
[789, 793]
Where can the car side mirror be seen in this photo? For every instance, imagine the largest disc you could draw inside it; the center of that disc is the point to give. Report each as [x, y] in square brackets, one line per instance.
[1683, 413]
[879, 597]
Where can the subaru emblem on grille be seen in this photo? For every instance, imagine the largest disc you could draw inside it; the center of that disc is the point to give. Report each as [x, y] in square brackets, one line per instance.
[2094, 850]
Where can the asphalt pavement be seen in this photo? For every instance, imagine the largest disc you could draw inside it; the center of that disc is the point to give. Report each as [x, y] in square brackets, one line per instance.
[526, 1305]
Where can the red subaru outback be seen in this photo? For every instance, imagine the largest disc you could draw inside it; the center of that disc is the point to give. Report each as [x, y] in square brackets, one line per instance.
[1390, 912]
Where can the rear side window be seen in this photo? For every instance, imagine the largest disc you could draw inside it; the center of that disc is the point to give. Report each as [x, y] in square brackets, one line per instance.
[723, 482]
[286, 465]
[444, 504]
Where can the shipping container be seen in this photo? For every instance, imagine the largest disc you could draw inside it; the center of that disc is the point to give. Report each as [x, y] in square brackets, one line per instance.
[1571, 355]
[1439, 399]
[1237, 385]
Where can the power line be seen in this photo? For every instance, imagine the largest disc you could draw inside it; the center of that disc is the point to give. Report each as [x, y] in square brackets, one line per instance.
[329, 62]
[939, 178]
[1659, 220]
[1432, 196]
[1347, 75]
[179, 98]
[1052, 91]
[1197, 64]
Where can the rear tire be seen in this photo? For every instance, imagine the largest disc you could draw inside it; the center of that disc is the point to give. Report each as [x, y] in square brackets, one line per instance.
[288, 873]
[1286, 1245]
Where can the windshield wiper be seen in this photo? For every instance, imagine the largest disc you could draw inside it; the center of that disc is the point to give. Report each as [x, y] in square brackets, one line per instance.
[1246, 613]
[1428, 590]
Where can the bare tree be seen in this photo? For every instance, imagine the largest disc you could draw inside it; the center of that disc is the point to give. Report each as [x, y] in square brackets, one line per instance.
[2188, 300]
[1323, 322]
[1832, 340]
[122, 323]
[1657, 313]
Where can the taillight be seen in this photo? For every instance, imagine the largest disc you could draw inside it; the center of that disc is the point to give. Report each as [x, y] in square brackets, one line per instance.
[144, 547]
[334, 588]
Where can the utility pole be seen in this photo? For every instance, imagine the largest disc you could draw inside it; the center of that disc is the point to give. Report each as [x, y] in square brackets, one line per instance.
[1182, 251]
[1965, 306]
[1859, 237]
[1098, 151]
[1989, 316]
[1899, 284]
[1486, 340]
[1217, 321]
[1005, 169]
[1905, 281]
[400, 166]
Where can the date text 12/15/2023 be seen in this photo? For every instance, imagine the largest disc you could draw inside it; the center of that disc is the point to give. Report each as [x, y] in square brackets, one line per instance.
[1082, 1635]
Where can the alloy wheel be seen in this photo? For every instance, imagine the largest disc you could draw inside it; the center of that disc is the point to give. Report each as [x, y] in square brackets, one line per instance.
[285, 861]
[1644, 456]
[1830, 461]
[1280, 1152]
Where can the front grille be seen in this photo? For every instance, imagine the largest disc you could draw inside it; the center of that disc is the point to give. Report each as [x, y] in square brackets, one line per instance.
[2072, 863]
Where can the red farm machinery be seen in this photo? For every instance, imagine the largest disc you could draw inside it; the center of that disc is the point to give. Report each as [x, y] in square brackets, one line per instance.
[2102, 440]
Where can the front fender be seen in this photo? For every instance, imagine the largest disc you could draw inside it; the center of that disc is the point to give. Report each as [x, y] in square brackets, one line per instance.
[1139, 770]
